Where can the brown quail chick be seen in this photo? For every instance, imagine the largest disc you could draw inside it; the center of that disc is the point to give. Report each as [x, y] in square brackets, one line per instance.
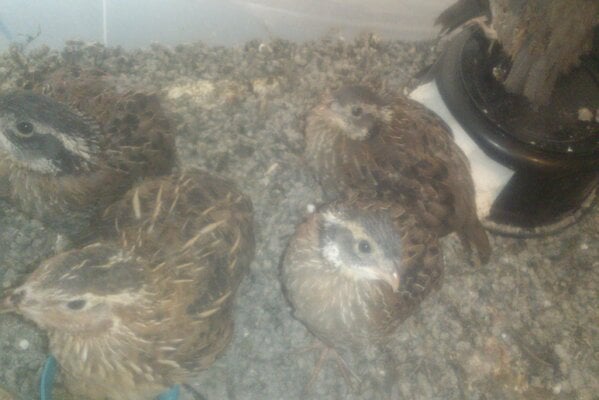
[63, 165]
[129, 317]
[358, 267]
[394, 148]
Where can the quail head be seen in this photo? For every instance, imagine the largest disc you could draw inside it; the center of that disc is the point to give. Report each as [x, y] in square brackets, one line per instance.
[394, 148]
[129, 317]
[358, 267]
[135, 129]
[63, 165]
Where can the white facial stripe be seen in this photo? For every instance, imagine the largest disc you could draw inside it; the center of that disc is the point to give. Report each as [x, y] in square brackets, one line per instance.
[337, 121]
[355, 228]
[331, 254]
[75, 145]
[42, 165]
[381, 272]
[330, 217]
[6, 144]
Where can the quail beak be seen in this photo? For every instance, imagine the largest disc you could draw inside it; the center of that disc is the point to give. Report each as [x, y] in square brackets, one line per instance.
[392, 278]
[394, 281]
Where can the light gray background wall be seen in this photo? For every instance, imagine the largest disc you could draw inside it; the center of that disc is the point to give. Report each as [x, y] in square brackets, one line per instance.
[135, 23]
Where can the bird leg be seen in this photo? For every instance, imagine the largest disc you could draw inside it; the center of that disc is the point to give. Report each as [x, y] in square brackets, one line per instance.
[487, 28]
[325, 353]
[474, 257]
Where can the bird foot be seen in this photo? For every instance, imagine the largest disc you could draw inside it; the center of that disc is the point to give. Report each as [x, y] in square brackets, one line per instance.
[475, 257]
[327, 352]
[487, 28]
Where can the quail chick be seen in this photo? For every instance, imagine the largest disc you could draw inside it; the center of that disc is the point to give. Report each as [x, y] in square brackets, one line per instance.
[355, 269]
[63, 167]
[394, 148]
[129, 317]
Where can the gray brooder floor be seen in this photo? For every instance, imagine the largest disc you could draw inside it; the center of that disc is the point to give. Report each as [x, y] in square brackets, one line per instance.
[525, 326]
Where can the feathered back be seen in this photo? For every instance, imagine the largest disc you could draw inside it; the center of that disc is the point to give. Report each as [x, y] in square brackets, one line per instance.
[196, 231]
[407, 154]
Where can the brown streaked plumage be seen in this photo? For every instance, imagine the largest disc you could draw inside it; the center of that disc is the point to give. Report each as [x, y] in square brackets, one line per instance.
[129, 317]
[357, 268]
[394, 148]
[67, 154]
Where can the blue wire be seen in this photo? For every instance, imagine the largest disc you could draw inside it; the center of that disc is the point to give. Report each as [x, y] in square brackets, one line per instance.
[171, 394]
[47, 380]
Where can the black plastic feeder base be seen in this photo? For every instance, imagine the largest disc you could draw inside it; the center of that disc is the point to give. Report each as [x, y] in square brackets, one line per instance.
[554, 154]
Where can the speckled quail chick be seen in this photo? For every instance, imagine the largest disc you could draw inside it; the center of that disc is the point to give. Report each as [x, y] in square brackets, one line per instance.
[396, 149]
[358, 267]
[64, 164]
[129, 317]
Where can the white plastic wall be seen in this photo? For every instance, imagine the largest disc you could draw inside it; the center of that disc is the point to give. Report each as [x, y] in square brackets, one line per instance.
[137, 23]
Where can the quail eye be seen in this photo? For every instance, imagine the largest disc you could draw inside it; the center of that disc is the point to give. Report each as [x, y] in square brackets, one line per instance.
[364, 247]
[25, 128]
[373, 130]
[76, 304]
[356, 111]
